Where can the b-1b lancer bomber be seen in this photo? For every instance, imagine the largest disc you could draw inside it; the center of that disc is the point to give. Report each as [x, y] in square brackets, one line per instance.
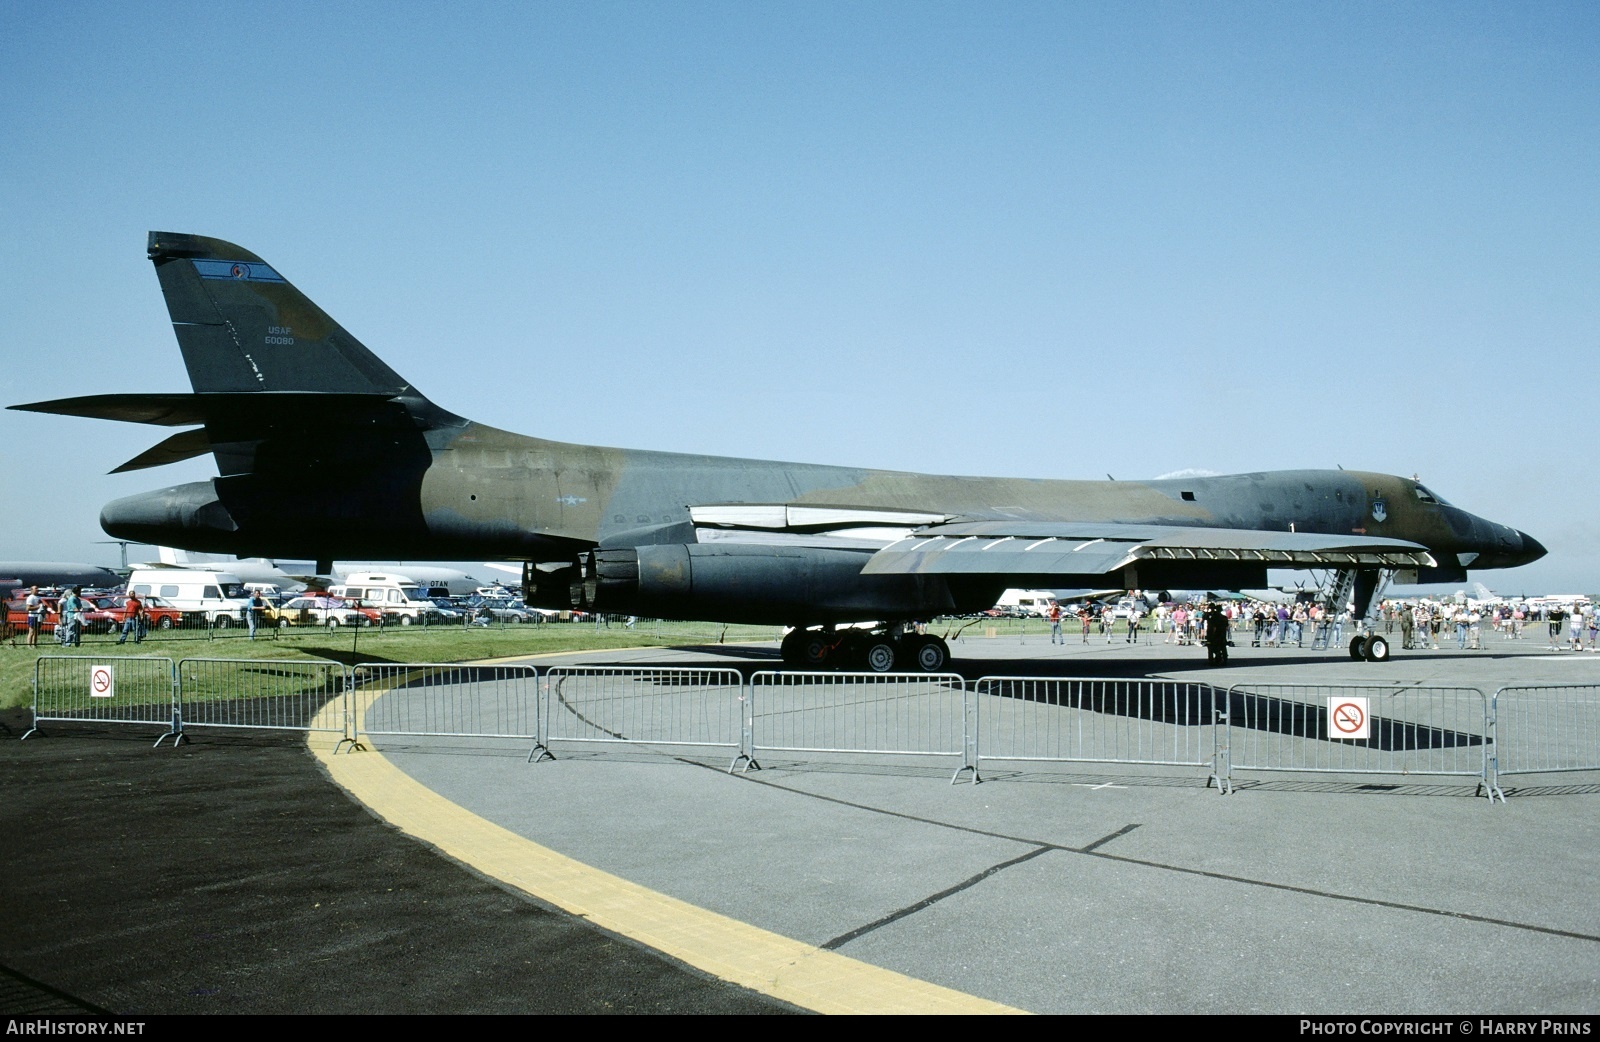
[326, 453]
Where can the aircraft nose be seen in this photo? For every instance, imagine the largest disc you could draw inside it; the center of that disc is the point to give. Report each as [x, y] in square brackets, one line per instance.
[1508, 548]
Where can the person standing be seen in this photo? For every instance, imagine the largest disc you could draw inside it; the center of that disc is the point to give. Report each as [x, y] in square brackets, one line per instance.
[67, 621]
[35, 606]
[1407, 625]
[1054, 615]
[253, 613]
[132, 619]
[1214, 631]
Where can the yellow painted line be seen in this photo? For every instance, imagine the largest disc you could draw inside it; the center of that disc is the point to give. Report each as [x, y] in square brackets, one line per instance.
[786, 969]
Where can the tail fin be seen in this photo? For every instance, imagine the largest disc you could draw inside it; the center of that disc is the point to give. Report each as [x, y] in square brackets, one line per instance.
[244, 327]
[264, 360]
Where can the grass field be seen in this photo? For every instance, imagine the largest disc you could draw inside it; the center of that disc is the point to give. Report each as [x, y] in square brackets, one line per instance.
[392, 644]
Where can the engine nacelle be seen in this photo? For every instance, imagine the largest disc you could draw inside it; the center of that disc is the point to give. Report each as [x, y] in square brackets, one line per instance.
[763, 583]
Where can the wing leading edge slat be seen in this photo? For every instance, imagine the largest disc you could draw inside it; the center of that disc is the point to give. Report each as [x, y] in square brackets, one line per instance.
[1040, 548]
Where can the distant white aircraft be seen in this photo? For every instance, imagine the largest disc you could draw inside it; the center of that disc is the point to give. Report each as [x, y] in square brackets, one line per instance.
[299, 573]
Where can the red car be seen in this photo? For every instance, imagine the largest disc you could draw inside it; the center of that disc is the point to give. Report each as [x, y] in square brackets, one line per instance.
[17, 614]
[159, 615]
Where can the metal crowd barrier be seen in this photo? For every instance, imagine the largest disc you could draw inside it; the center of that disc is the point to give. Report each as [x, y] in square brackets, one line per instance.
[900, 714]
[1073, 719]
[1542, 728]
[114, 690]
[650, 706]
[263, 694]
[1271, 727]
[1410, 730]
[445, 700]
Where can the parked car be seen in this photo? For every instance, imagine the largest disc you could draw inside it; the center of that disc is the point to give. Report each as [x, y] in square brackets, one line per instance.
[322, 610]
[17, 612]
[446, 613]
[113, 612]
[503, 611]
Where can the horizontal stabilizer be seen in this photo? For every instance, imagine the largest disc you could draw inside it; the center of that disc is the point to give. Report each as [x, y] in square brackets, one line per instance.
[182, 410]
[1071, 548]
[181, 446]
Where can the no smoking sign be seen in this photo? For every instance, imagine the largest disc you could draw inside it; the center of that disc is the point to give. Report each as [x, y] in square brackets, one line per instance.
[1347, 717]
[102, 682]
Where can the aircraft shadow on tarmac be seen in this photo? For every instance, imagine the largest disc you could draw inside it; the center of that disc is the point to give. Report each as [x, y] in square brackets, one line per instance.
[1134, 695]
[1193, 704]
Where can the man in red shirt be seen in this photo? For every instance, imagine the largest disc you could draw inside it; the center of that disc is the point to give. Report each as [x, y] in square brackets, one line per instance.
[133, 619]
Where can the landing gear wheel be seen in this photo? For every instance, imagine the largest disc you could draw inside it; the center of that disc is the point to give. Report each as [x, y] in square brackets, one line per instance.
[931, 654]
[793, 648]
[815, 650]
[1358, 648]
[880, 655]
[1377, 649]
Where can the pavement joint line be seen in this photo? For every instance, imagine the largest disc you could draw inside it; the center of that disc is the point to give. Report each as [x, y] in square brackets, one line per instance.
[930, 900]
[1090, 851]
[785, 969]
[1103, 840]
[1374, 902]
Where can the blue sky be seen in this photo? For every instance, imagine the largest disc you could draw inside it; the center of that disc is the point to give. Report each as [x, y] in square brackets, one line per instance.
[1053, 240]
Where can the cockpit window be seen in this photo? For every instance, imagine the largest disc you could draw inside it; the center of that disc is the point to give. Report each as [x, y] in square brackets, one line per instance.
[1428, 497]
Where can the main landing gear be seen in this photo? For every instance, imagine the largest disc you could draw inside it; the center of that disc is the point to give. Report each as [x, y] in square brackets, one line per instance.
[873, 651]
[1369, 646]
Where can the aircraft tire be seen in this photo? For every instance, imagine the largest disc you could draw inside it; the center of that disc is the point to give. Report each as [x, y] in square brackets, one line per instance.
[879, 656]
[1377, 649]
[792, 650]
[1358, 647]
[931, 654]
[815, 650]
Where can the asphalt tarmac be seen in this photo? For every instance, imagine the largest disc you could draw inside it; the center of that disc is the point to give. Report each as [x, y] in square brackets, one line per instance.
[233, 875]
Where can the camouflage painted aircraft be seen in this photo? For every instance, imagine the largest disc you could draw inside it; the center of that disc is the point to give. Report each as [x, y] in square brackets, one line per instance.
[325, 453]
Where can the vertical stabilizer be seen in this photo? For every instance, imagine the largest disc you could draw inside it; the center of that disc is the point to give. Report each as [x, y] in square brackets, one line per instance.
[244, 327]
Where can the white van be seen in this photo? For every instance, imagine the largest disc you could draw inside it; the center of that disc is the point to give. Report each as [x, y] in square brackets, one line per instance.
[1027, 602]
[400, 599]
[218, 596]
